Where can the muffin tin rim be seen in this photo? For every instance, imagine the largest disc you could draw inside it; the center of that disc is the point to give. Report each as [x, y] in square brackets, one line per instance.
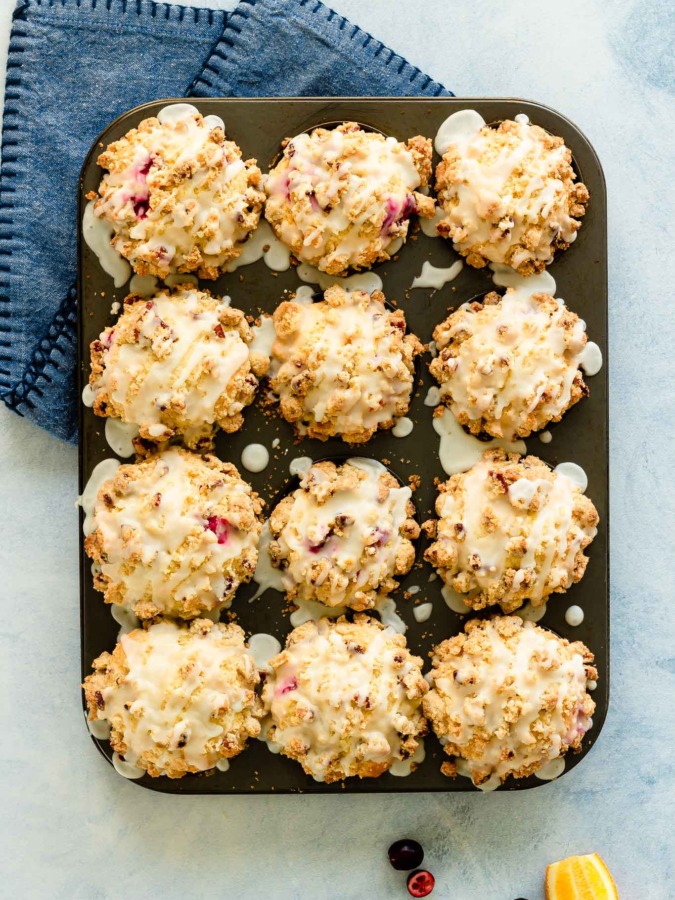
[453, 104]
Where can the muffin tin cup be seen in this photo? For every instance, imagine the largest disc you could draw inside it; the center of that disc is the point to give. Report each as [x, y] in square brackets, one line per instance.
[258, 126]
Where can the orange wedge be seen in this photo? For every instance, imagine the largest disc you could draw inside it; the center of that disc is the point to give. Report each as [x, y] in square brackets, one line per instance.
[580, 878]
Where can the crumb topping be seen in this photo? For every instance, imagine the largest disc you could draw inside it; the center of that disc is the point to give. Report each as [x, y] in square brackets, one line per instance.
[508, 696]
[343, 366]
[510, 530]
[510, 365]
[344, 534]
[339, 198]
[179, 699]
[179, 197]
[509, 196]
[345, 698]
[175, 534]
[177, 363]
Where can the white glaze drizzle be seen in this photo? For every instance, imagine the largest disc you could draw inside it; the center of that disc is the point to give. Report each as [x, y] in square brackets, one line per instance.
[361, 281]
[401, 768]
[389, 615]
[459, 128]
[320, 673]
[433, 397]
[97, 234]
[266, 576]
[574, 616]
[263, 244]
[262, 648]
[126, 769]
[430, 226]
[120, 436]
[459, 451]
[403, 427]
[143, 285]
[591, 358]
[551, 770]
[433, 277]
[125, 618]
[98, 728]
[530, 613]
[255, 457]
[263, 336]
[341, 198]
[312, 609]
[300, 465]
[573, 472]
[454, 601]
[356, 362]
[355, 563]
[104, 471]
[542, 283]
[177, 112]
[545, 437]
[88, 395]
[422, 613]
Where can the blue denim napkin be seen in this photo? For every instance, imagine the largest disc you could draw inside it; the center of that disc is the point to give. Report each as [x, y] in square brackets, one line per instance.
[73, 66]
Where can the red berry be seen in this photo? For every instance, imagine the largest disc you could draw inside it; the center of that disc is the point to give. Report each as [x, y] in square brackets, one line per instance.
[219, 526]
[420, 883]
[405, 855]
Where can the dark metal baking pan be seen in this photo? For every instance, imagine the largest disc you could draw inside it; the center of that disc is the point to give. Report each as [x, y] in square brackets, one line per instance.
[258, 126]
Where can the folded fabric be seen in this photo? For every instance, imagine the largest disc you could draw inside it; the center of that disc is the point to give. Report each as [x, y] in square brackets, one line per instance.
[73, 66]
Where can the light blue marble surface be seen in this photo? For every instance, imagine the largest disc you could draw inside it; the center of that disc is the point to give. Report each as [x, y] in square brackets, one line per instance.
[72, 829]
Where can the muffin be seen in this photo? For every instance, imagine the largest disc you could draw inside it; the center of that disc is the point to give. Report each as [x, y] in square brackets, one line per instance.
[509, 195]
[344, 699]
[178, 698]
[175, 534]
[344, 535]
[177, 363]
[510, 365]
[510, 530]
[507, 697]
[341, 197]
[342, 367]
[179, 197]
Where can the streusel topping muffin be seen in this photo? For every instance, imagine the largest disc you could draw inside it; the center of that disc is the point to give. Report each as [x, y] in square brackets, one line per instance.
[510, 365]
[510, 196]
[177, 363]
[178, 698]
[343, 366]
[175, 534]
[345, 699]
[179, 196]
[507, 697]
[340, 197]
[510, 530]
[344, 535]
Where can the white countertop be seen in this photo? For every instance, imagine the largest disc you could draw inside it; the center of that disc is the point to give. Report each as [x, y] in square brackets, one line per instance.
[71, 828]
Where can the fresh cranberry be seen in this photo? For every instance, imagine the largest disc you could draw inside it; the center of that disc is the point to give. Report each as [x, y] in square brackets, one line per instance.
[141, 207]
[409, 207]
[290, 685]
[393, 211]
[420, 883]
[381, 537]
[405, 855]
[220, 527]
[145, 168]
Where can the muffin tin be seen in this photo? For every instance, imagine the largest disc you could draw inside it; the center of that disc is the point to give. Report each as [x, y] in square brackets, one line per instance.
[258, 126]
